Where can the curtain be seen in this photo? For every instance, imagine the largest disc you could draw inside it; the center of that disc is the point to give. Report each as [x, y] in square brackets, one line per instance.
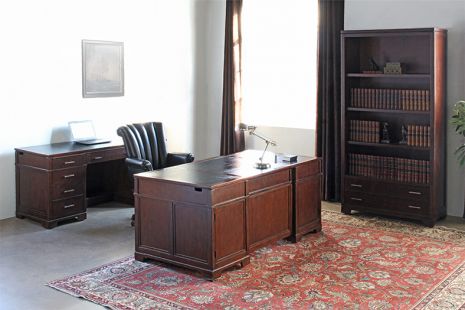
[232, 139]
[331, 22]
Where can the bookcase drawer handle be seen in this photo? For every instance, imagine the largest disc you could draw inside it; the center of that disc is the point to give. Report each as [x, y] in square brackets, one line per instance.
[414, 207]
[68, 190]
[414, 193]
[69, 176]
[69, 206]
[356, 185]
[70, 162]
[98, 157]
[356, 199]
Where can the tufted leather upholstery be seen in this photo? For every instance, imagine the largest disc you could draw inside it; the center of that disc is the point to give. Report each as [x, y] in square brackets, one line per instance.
[146, 148]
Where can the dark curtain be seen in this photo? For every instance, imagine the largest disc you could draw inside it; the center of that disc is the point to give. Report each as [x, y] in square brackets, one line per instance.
[232, 139]
[331, 22]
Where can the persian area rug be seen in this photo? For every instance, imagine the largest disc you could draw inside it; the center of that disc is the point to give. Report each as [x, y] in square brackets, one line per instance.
[356, 262]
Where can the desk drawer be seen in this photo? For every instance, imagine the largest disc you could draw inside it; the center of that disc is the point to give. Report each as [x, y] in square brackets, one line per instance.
[265, 181]
[308, 169]
[68, 161]
[106, 155]
[67, 182]
[68, 207]
[171, 191]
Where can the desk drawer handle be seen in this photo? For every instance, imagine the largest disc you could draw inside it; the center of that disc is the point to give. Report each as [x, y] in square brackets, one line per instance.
[98, 157]
[69, 206]
[356, 199]
[70, 162]
[356, 185]
[68, 176]
[69, 190]
[414, 193]
[414, 207]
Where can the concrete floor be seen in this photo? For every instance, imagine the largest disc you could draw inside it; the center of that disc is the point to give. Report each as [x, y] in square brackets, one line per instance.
[31, 256]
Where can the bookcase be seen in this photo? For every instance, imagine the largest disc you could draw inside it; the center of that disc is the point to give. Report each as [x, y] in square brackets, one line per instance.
[393, 125]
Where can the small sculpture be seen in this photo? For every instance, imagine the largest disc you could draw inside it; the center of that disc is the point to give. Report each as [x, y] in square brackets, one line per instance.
[404, 135]
[385, 133]
[373, 65]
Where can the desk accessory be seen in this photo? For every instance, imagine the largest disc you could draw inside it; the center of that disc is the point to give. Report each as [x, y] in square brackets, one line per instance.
[251, 129]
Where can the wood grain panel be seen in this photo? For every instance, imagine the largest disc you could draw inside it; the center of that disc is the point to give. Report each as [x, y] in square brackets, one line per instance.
[271, 179]
[193, 227]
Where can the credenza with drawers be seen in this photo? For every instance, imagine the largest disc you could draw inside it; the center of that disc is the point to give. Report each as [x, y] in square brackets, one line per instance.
[56, 182]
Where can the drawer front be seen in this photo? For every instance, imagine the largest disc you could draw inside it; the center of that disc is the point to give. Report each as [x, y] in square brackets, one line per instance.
[228, 192]
[410, 191]
[272, 179]
[308, 169]
[407, 206]
[68, 161]
[67, 183]
[33, 160]
[68, 207]
[362, 199]
[174, 192]
[106, 155]
[358, 185]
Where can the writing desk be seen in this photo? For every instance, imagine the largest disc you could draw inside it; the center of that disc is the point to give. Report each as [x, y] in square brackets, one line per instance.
[56, 182]
[209, 215]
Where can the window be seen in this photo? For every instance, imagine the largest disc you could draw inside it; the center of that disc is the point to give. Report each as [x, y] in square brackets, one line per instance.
[279, 62]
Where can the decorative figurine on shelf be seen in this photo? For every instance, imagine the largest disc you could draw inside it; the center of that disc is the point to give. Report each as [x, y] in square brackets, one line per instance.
[404, 135]
[385, 133]
[374, 68]
[393, 68]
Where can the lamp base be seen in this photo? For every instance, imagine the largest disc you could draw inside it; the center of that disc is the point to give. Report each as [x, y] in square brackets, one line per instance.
[262, 166]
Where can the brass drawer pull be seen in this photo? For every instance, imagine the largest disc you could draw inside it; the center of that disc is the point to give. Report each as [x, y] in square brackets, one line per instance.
[69, 190]
[69, 206]
[356, 199]
[356, 185]
[414, 207]
[70, 162]
[68, 176]
[414, 193]
[98, 157]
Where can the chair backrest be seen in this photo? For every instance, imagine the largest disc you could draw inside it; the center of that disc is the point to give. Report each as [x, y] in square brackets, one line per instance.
[145, 141]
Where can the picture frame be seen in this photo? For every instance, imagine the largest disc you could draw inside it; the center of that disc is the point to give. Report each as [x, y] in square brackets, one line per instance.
[102, 69]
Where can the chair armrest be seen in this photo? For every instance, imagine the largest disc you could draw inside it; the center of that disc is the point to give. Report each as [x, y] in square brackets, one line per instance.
[174, 159]
[138, 165]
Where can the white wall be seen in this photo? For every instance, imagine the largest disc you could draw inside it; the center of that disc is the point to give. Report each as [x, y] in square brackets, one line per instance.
[40, 73]
[289, 140]
[449, 14]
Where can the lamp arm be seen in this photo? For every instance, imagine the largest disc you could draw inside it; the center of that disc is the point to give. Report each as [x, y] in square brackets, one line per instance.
[264, 151]
[267, 140]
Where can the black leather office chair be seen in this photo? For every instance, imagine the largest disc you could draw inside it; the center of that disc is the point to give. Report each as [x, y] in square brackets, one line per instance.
[146, 149]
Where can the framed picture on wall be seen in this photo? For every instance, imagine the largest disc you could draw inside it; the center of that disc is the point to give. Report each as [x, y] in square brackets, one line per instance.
[102, 69]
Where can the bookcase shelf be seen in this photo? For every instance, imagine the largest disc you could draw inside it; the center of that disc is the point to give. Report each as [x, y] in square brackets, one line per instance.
[391, 76]
[351, 109]
[390, 146]
[402, 180]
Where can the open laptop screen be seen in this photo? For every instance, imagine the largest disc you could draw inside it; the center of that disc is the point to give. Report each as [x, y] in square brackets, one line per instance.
[82, 130]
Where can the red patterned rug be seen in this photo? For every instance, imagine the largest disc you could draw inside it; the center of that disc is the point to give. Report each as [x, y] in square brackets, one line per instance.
[356, 262]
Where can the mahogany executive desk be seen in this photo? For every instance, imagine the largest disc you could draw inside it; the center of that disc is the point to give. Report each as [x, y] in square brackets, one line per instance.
[209, 215]
[56, 182]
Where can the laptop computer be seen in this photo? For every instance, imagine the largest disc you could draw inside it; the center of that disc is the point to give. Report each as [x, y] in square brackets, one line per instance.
[83, 132]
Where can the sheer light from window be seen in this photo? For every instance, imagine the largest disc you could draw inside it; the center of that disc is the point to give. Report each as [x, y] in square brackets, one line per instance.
[279, 68]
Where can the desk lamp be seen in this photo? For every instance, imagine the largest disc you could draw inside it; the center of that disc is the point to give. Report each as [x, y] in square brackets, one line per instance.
[251, 129]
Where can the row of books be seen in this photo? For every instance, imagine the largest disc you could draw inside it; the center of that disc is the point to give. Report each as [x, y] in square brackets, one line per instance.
[392, 99]
[364, 131]
[389, 168]
[418, 135]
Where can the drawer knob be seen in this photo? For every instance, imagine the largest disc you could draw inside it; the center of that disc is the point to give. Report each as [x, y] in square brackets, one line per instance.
[70, 162]
[356, 185]
[68, 176]
[98, 157]
[414, 207]
[414, 193]
[69, 190]
[356, 199]
[69, 206]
